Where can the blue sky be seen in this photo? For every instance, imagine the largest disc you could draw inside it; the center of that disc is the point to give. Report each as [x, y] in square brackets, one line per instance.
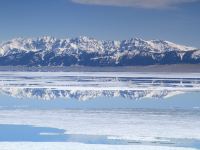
[173, 20]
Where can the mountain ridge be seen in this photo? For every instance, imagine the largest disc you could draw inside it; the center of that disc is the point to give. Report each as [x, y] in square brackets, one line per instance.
[85, 51]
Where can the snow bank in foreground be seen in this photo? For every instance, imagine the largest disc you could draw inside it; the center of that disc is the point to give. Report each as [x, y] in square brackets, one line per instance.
[78, 146]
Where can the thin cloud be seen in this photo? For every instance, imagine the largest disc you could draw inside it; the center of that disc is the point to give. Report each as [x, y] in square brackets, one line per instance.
[136, 3]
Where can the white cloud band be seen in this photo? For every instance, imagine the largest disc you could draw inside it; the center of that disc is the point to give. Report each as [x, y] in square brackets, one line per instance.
[136, 3]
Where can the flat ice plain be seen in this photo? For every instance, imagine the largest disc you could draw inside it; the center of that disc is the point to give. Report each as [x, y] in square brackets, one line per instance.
[100, 129]
[110, 129]
[101, 80]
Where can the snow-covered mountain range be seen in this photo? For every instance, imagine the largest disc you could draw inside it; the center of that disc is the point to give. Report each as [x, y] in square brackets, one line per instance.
[49, 51]
[49, 94]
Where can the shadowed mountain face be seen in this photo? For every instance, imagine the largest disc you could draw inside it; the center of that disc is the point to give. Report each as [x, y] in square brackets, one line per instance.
[48, 51]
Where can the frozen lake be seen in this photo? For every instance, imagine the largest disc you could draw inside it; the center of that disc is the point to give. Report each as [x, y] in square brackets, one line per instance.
[97, 129]
[101, 80]
[118, 128]
[107, 129]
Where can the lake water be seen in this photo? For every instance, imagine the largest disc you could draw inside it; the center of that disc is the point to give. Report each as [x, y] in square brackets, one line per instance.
[26, 124]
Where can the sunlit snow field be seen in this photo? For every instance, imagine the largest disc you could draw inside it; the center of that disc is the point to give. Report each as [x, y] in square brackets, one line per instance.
[97, 129]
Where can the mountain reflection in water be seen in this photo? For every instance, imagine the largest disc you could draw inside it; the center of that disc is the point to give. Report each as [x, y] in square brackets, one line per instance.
[89, 85]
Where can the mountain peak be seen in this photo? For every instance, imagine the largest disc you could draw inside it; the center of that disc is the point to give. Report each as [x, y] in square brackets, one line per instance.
[46, 38]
